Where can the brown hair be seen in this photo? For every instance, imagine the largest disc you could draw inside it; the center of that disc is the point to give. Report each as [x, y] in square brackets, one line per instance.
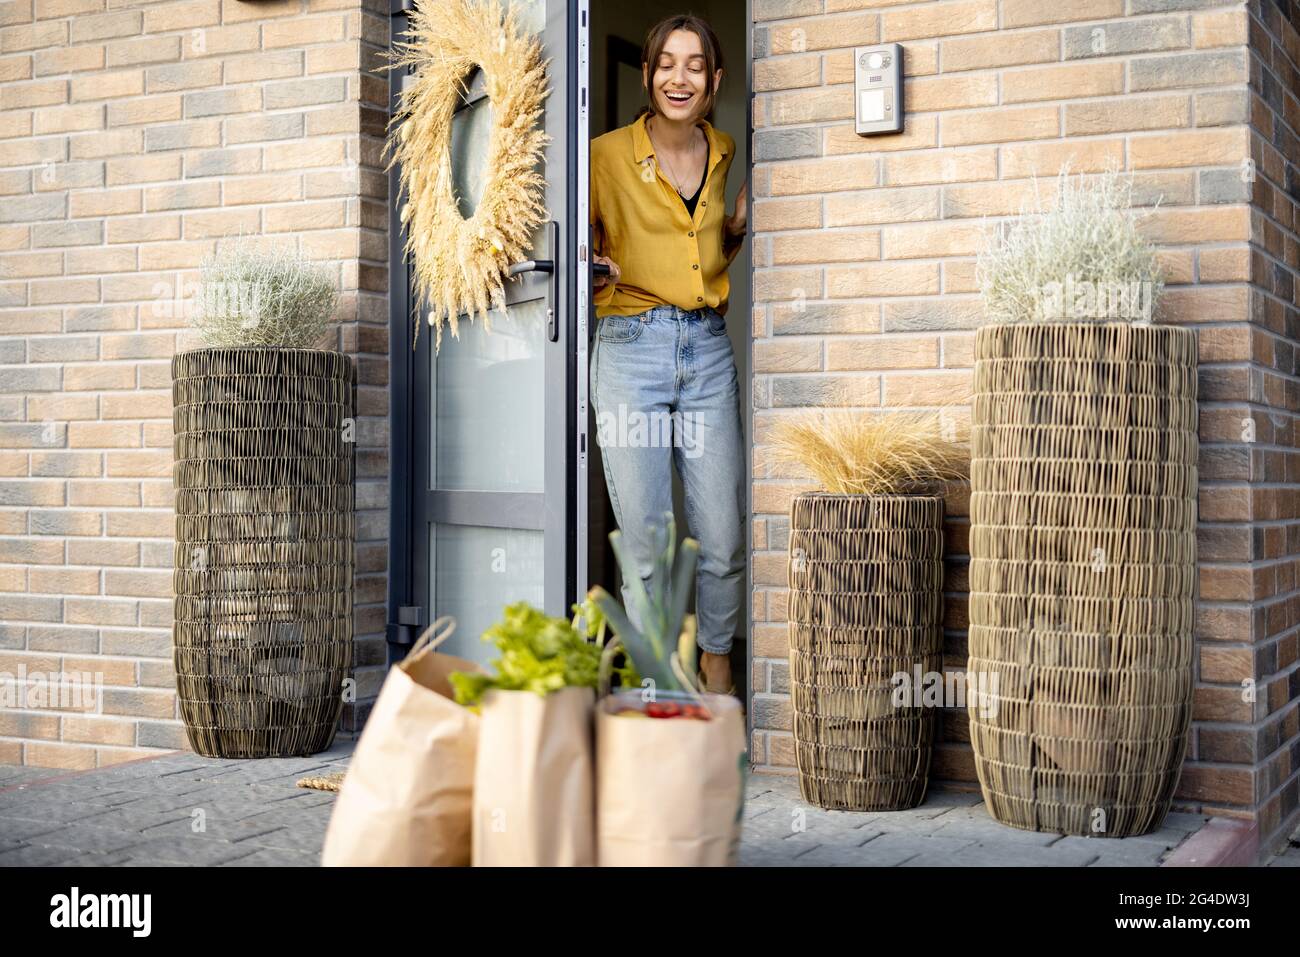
[654, 46]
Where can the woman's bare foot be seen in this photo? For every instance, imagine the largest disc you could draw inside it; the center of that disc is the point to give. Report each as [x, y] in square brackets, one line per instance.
[717, 672]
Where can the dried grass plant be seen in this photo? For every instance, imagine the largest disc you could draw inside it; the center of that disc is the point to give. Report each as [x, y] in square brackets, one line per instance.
[263, 297]
[1089, 233]
[864, 453]
[460, 264]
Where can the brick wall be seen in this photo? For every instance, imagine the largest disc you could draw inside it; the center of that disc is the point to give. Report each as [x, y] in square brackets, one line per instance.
[135, 137]
[864, 255]
[1267, 741]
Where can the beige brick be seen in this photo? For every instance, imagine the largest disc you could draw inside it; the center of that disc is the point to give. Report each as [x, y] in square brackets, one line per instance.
[337, 57]
[772, 285]
[302, 216]
[302, 31]
[94, 730]
[1047, 159]
[927, 389]
[960, 276]
[100, 259]
[40, 754]
[15, 124]
[115, 202]
[101, 552]
[138, 584]
[106, 26]
[1220, 28]
[67, 60]
[108, 86]
[17, 96]
[140, 524]
[304, 154]
[142, 169]
[34, 36]
[793, 355]
[150, 109]
[218, 224]
[264, 66]
[189, 75]
[1214, 147]
[825, 175]
[182, 196]
[59, 581]
[143, 229]
[817, 246]
[882, 279]
[15, 68]
[950, 92]
[882, 206]
[879, 353]
[823, 33]
[103, 493]
[29, 265]
[1231, 264]
[220, 41]
[182, 16]
[1127, 113]
[811, 106]
[106, 143]
[1000, 50]
[774, 214]
[147, 50]
[939, 20]
[98, 377]
[1067, 82]
[68, 119]
[999, 126]
[103, 435]
[941, 166]
[345, 118]
[1028, 13]
[932, 240]
[1210, 224]
[263, 189]
[787, 73]
[174, 255]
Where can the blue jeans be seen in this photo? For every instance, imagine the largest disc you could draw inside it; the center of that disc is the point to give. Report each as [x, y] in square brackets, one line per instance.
[665, 391]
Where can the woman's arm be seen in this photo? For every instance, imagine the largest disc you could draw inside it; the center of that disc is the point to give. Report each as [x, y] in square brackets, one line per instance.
[602, 286]
[736, 226]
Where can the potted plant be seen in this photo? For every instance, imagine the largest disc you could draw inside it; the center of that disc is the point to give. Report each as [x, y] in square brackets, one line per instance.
[670, 760]
[866, 605]
[263, 473]
[533, 800]
[1083, 521]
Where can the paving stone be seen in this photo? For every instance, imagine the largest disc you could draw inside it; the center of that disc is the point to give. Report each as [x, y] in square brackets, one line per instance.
[137, 818]
[59, 811]
[17, 830]
[30, 855]
[86, 837]
[276, 857]
[190, 849]
[887, 850]
[1116, 852]
[1019, 855]
[986, 830]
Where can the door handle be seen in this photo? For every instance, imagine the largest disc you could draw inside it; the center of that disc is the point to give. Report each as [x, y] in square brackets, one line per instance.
[546, 266]
[600, 269]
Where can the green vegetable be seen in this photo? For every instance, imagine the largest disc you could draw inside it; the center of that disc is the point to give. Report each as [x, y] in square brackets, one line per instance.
[538, 653]
[662, 648]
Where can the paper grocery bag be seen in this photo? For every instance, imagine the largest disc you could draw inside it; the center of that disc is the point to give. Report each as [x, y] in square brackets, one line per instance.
[406, 798]
[533, 788]
[670, 791]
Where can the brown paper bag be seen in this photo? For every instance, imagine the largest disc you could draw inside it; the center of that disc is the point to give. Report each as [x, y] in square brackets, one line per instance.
[405, 801]
[669, 791]
[533, 801]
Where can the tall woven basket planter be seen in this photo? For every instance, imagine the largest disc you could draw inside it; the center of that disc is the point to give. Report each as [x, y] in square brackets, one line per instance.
[866, 574]
[264, 547]
[1083, 565]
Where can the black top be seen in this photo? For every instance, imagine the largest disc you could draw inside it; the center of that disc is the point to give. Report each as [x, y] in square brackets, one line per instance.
[690, 203]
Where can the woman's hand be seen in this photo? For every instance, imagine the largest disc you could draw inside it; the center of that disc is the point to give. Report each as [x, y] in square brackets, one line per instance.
[600, 282]
[738, 221]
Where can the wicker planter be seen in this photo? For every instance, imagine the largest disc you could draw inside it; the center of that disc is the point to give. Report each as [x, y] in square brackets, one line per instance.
[866, 574]
[264, 548]
[1083, 565]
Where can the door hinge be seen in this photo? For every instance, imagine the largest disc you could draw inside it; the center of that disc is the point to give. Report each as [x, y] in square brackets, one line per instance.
[403, 631]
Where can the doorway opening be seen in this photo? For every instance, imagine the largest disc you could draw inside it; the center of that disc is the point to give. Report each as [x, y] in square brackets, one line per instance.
[617, 33]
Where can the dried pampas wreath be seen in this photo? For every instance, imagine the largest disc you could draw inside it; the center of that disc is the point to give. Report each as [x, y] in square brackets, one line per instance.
[460, 264]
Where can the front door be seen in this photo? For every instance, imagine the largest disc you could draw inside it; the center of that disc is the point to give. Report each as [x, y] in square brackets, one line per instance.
[489, 433]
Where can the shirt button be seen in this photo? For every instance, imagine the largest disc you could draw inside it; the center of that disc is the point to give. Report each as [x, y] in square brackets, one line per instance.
[695, 267]
[690, 234]
[699, 298]
[704, 202]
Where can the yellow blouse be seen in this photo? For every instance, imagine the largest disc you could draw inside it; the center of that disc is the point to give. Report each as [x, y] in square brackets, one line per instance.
[666, 256]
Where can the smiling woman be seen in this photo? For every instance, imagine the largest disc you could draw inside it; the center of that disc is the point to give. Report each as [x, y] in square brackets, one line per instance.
[658, 212]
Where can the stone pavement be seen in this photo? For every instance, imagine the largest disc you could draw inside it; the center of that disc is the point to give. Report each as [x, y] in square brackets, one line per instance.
[184, 810]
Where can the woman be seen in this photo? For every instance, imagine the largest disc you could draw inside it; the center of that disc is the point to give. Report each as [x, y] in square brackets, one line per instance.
[663, 375]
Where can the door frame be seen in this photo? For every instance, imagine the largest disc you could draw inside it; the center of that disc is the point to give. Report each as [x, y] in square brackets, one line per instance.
[564, 528]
